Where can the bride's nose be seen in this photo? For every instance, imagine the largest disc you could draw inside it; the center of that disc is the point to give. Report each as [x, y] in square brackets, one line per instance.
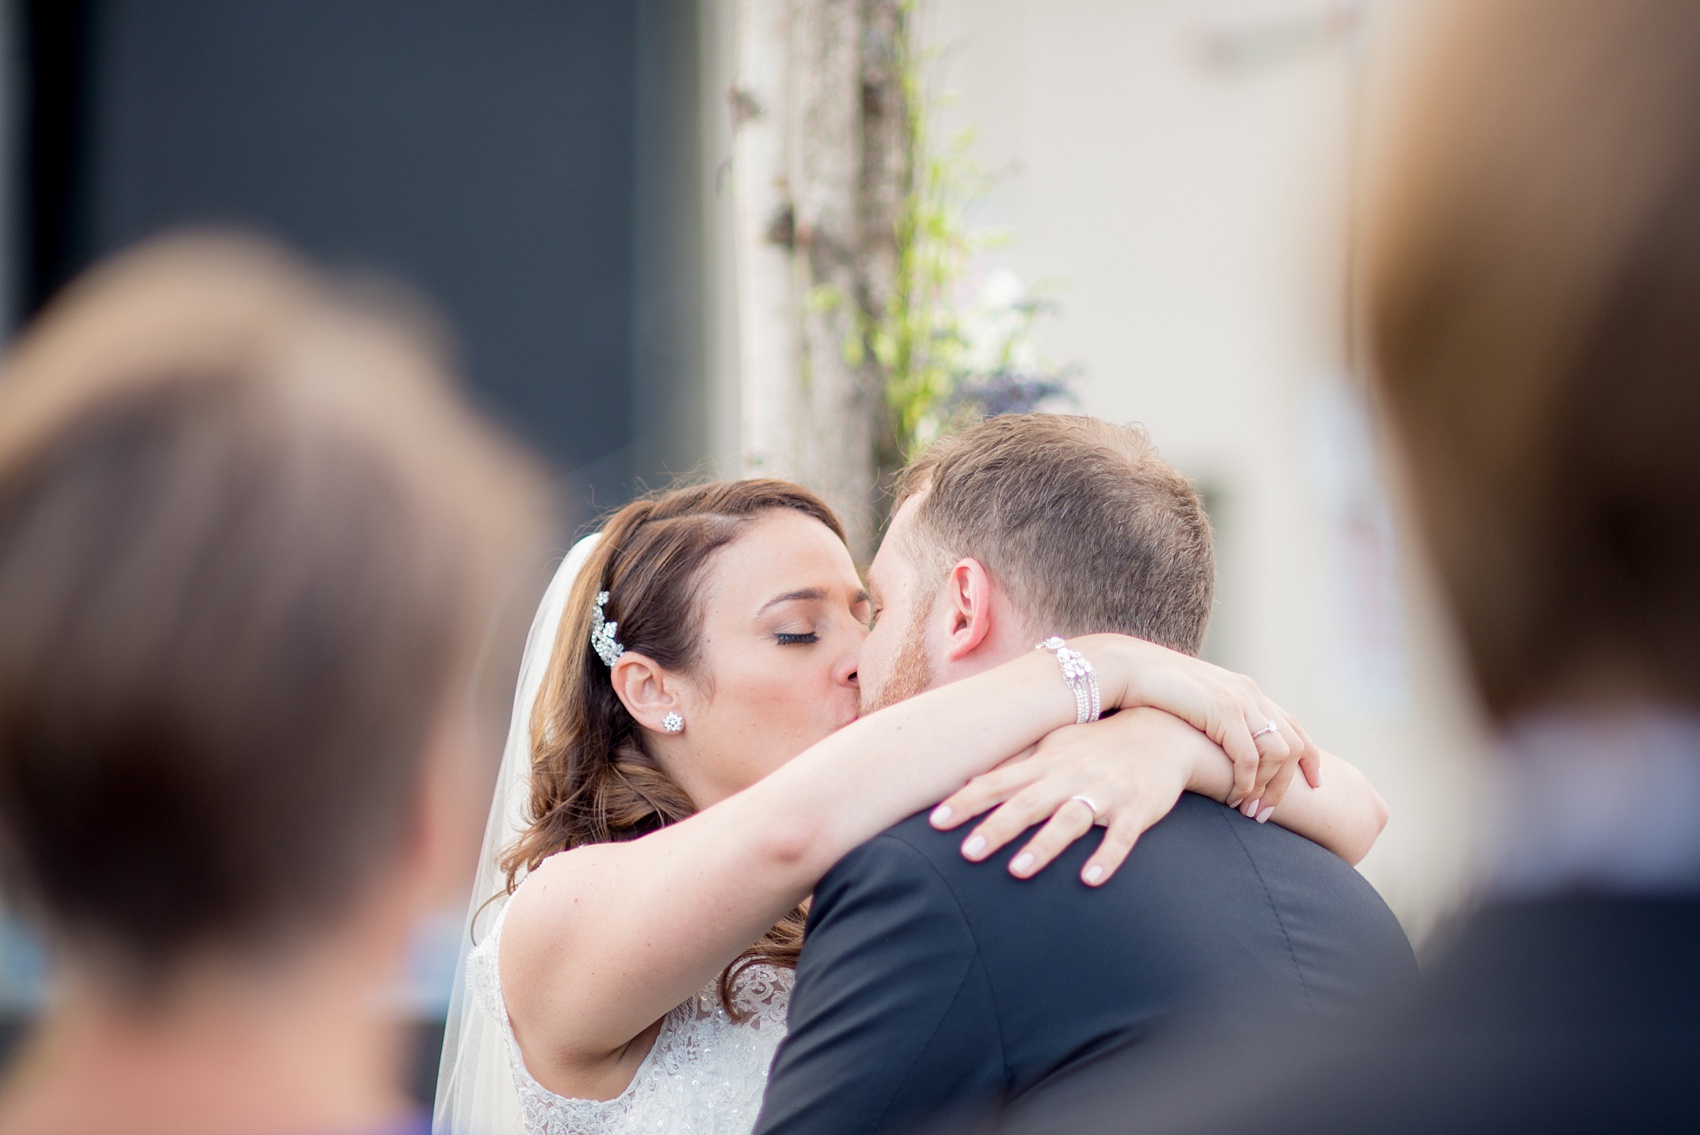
[845, 673]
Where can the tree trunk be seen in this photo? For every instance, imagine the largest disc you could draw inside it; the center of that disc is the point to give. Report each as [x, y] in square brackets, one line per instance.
[887, 173]
[771, 415]
[820, 167]
[826, 55]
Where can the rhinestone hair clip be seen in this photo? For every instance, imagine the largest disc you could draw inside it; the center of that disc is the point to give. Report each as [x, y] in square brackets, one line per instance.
[602, 638]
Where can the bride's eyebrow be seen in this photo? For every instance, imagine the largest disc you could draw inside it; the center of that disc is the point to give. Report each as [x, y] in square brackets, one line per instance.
[815, 594]
[808, 595]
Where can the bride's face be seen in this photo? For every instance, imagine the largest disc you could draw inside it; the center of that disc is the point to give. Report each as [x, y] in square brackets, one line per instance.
[784, 617]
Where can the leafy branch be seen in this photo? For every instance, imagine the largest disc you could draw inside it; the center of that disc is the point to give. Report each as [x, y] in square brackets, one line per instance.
[945, 366]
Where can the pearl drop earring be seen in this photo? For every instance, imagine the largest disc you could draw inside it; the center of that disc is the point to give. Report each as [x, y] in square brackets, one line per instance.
[673, 723]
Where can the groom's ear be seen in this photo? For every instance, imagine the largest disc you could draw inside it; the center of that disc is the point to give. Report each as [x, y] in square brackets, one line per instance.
[968, 602]
[643, 688]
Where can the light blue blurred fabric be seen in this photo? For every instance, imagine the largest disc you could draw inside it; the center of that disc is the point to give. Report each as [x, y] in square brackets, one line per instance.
[1604, 802]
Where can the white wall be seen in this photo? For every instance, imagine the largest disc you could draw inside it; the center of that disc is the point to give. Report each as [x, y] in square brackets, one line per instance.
[1179, 169]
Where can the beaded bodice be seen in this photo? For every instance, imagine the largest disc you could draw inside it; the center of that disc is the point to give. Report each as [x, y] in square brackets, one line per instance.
[704, 1075]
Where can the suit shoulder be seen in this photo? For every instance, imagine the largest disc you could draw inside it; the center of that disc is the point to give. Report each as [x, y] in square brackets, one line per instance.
[909, 853]
[920, 837]
[912, 841]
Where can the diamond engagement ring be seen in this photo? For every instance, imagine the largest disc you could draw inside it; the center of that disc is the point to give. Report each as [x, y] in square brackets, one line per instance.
[1087, 800]
[1270, 728]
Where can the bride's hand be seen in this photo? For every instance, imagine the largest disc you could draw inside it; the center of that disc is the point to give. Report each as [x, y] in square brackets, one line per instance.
[1132, 767]
[1226, 707]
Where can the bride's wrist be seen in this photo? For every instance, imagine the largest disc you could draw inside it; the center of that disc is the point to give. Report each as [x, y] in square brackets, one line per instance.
[1116, 659]
[1211, 772]
[1079, 676]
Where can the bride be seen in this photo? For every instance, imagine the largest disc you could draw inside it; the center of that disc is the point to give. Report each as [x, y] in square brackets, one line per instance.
[686, 761]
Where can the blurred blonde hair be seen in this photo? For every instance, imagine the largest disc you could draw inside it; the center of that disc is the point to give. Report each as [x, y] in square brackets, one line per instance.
[1533, 280]
[251, 542]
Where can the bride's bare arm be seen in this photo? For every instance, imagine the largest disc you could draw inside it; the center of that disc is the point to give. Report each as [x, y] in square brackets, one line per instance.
[605, 939]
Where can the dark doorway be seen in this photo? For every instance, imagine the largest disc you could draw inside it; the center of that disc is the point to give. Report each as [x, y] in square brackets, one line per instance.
[484, 153]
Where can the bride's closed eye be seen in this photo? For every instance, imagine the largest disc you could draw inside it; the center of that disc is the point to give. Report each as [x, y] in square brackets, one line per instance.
[797, 639]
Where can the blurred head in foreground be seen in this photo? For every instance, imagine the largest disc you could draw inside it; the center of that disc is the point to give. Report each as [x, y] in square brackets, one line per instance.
[253, 550]
[1534, 289]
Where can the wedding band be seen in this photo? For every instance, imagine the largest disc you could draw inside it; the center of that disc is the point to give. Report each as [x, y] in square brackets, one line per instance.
[1087, 800]
[1270, 728]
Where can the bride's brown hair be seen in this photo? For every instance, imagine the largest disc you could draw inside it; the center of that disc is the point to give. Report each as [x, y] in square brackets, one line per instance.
[592, 781]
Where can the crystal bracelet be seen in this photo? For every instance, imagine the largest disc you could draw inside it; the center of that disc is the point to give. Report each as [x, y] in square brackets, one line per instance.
[1081, 678]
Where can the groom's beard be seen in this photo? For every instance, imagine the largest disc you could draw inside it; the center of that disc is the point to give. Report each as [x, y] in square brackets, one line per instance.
[911, 673]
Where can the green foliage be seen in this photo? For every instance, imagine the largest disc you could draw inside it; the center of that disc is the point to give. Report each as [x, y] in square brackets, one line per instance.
[922, 341]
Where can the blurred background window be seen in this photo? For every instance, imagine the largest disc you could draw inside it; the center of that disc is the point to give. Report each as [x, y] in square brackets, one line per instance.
[500, 158]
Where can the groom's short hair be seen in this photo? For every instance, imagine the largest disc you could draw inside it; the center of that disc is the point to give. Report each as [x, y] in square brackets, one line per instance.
[1082, 522]
[250, 544]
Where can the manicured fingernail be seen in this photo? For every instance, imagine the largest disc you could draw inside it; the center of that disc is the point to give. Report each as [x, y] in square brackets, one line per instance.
[1263, 816]
[1094, 873]
[1022, 863]
[941, 816]
[1249, 808]
[974, 846]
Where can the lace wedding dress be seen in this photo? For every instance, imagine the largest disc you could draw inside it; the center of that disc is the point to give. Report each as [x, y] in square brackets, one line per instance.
[704, 1076]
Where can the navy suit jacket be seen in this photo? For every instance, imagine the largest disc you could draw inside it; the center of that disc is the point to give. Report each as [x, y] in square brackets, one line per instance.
[932, 990]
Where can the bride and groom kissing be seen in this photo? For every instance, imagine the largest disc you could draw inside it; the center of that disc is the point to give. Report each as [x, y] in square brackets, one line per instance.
[721, 738]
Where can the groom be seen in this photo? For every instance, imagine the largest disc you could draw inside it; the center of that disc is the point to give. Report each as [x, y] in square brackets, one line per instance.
[934, 991]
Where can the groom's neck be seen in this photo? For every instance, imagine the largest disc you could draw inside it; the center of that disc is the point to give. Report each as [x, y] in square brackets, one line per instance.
[1009, 638]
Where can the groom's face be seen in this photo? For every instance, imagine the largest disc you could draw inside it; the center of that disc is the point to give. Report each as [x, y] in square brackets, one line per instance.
[897, 655]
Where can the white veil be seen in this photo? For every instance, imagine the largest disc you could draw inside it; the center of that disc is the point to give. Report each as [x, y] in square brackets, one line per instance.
[475, 1085]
